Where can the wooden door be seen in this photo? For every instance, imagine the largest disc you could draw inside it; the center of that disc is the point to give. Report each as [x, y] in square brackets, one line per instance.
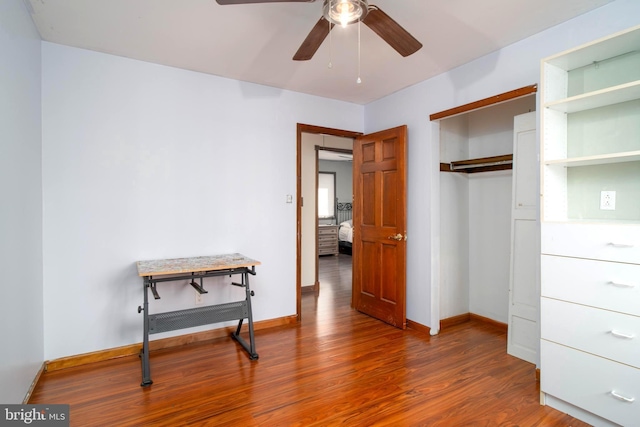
[524, 291]
[379, 219]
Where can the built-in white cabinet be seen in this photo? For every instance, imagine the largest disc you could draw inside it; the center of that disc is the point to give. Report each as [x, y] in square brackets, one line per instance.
[590, 233]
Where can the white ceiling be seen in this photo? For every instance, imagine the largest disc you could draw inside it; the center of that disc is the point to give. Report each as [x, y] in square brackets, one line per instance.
[255, 42]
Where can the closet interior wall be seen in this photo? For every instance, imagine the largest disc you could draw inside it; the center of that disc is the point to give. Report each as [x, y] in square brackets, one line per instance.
[475, 212]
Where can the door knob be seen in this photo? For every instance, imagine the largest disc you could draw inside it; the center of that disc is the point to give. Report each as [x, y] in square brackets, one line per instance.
[397, 237]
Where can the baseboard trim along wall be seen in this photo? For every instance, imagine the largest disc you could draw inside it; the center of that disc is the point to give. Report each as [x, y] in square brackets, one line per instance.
[466, 317]
[134, 349]
[502, 326]
[34, 383]
[418, 327]
[455, 320]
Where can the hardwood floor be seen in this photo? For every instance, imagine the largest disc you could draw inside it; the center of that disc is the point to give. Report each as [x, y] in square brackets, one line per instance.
[338, 367]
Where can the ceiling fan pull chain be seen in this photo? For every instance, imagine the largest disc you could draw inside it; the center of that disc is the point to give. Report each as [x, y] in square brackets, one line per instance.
[359, 80]
[330, 65]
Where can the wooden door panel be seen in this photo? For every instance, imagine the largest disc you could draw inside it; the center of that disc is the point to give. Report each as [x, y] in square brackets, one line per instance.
[368, 153]
[379, 217]
[389, 149]
[379, 282]
[388, 293]
[370, 276]
[380, 165]
[389, 199]
[368, 205]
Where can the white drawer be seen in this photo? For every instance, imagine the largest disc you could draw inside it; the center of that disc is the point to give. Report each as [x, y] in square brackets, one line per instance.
[596, 241]
[587, 381]
[611, 285]
[604, 333]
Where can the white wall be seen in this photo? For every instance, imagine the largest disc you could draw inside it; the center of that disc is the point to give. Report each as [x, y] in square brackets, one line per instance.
[454, 249]
[142, 161]
[308, 211]
[21, 327]
[489, 244]
[510, 68]
[453, 268]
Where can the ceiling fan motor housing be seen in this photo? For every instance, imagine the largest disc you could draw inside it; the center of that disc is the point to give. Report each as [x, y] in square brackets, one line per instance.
[344, 12]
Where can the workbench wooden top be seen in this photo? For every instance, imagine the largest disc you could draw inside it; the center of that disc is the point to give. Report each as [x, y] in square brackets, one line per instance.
[194, 264]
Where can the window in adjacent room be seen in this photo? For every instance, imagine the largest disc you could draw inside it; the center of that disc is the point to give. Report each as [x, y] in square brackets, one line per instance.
[326, 195]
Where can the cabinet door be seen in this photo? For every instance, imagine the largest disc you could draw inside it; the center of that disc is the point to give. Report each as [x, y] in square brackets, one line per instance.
[524, 295]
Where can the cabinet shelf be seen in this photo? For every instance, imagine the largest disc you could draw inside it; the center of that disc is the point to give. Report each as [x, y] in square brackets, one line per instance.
[630, 156]
[608, 47]
[596, 99]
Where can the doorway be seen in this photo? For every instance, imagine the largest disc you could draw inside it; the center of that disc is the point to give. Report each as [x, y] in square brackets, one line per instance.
[308, 137]
[379, 221]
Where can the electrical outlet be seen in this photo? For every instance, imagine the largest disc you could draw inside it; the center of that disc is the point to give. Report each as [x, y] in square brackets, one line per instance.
[608, 200]
[198, 298]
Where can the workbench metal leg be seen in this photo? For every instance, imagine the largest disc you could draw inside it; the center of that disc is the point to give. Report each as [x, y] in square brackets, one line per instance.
[253, 353]
[251, 349]
[144, 354]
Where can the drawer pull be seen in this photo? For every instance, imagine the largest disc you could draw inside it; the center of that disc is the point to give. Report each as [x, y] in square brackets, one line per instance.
[620, 285]
[621, 397]
[621, 335]
[620, 245]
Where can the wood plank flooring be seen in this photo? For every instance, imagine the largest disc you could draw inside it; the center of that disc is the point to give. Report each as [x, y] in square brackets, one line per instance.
[338, 367]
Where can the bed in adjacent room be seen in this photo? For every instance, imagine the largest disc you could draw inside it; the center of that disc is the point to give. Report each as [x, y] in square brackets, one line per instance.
[345, 237]
[345, 228]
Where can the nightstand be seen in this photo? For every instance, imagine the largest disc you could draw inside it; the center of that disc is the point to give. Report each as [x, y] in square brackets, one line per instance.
[327, 240]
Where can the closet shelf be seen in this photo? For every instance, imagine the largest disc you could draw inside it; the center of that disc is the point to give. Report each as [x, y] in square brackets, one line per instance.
[483, 164]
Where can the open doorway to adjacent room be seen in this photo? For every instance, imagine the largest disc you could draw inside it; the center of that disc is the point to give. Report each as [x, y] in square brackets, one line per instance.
[325, 202]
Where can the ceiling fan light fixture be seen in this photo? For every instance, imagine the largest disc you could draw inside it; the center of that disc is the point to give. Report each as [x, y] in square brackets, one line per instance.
[345, 12]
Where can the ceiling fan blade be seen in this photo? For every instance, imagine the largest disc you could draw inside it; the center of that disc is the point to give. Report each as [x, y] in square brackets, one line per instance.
[226, 2]
[310, 45]
[391, 32]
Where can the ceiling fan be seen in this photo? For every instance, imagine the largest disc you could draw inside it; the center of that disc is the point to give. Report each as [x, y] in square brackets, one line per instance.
[345, 12]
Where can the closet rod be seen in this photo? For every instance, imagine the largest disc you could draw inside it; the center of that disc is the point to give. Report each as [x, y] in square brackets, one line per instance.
[483, 164]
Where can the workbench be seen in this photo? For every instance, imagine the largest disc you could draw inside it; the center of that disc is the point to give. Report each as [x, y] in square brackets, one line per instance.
[194, 270]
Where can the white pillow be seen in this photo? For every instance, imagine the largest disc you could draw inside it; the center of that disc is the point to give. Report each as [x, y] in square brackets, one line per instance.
[347, 224]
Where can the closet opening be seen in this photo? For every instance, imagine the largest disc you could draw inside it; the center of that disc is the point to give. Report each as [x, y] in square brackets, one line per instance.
[488, 164]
